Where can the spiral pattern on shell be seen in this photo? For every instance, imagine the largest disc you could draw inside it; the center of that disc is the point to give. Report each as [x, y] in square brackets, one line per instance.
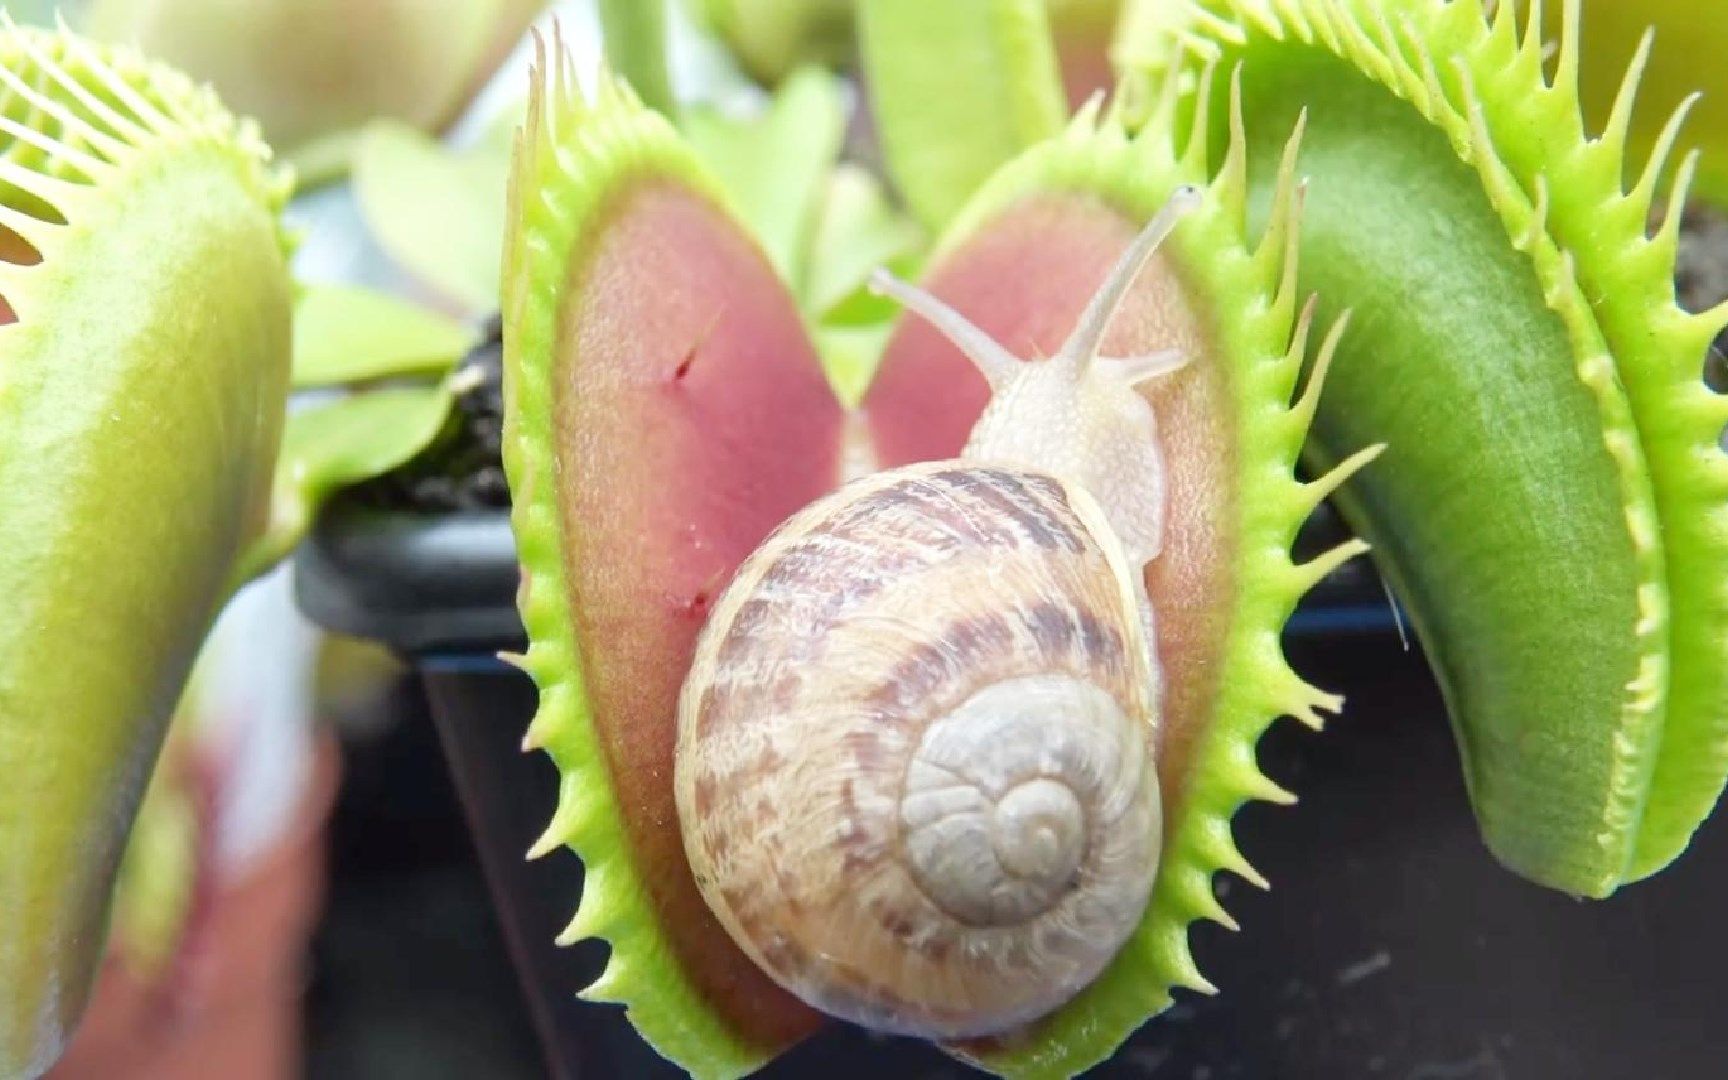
[914, 751]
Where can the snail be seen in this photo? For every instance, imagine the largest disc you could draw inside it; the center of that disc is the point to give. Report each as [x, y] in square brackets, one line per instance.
[914, 766]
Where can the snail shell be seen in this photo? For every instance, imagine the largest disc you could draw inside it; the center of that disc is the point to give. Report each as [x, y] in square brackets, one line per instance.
[914, 750]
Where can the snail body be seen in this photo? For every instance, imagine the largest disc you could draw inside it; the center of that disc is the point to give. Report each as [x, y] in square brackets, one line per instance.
[914, 766]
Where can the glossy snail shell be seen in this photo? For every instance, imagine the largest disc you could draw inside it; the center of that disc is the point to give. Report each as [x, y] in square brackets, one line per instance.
[914, 751]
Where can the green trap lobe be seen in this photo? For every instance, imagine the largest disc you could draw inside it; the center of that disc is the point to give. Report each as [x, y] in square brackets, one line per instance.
[1525, 601]
[695, 418]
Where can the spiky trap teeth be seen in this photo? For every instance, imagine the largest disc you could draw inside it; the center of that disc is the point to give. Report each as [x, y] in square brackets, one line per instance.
[1511, 293]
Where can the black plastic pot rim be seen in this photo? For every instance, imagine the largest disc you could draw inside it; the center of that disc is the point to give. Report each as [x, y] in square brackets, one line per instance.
[440, 588]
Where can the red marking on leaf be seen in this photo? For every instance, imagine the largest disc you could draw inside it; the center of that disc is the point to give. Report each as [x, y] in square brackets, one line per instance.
[663, 496]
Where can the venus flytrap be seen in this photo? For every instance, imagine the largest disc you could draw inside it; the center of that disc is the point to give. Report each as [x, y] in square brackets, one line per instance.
[149, 468]
[143, 371]
[714, 358]
[1550, 508]
[1545, 500]
[1397, 237]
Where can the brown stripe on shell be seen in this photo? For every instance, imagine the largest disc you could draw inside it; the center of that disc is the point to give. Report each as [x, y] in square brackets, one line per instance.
[887, 534]
[1026, 501]
[946, 504]
[1100, 640]
[1051, 625]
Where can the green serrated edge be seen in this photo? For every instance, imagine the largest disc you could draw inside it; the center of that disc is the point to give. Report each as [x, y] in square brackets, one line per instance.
[1657, 352]
[1247, 293]
[63, 159]
[1415, 77]
[574, 157]
[1560, 195]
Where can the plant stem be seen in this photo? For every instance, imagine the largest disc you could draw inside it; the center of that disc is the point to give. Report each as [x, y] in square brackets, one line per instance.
[635, 32]
[958, 87]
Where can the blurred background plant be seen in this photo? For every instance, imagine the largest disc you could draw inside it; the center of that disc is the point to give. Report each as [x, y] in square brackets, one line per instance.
[772, 38]
[314, 72]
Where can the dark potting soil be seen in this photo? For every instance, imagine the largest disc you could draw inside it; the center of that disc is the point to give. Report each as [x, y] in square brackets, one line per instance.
[464, 470]
[1701, 278]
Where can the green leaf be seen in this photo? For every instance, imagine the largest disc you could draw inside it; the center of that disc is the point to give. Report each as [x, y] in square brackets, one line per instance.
[774, 165]
[332, 446]
[856, 232]
[959, 87]
[635, 34]
[344, 334]
[770, 38]
[439, 213]
[850, 355]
